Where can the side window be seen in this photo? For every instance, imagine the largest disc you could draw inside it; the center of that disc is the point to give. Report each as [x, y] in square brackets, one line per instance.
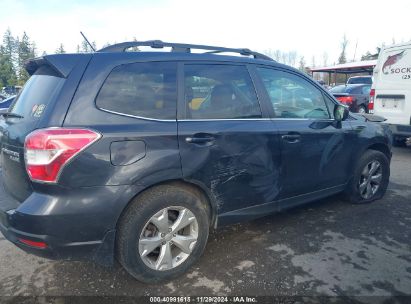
[219, 92]
[141, 89]
[292, 96]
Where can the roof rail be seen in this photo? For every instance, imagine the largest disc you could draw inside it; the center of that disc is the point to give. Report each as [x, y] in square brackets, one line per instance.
[181, 47]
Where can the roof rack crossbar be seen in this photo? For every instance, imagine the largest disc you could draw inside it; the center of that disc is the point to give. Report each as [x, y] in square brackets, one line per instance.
[181, 47]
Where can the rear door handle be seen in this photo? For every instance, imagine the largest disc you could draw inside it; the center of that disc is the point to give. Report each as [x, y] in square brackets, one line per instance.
[291, 138]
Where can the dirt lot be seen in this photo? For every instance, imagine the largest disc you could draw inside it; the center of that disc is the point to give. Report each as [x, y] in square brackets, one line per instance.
[325, 248]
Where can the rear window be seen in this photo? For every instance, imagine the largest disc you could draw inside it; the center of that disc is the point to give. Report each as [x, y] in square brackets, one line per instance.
[36, 95]
[360, 80]
[141, 89]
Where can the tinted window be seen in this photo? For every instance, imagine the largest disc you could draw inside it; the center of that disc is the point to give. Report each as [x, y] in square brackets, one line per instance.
[292, 96]
[355, 90]
[37, 93]
[220, 92]
[359, 80]
[141, 89]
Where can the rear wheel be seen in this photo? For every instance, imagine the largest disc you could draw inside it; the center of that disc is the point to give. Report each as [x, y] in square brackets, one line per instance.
[371, 177]
[162, 234]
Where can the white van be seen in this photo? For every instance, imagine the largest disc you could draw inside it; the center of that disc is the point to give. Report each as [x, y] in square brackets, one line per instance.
[390, 94]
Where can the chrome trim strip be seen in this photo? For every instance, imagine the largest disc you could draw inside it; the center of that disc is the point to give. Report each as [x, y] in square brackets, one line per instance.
[225, 119]
[135, 116]
[212, 119]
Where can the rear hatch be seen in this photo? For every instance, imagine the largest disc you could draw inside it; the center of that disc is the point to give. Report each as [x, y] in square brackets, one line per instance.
[393, 85]
[33, 108]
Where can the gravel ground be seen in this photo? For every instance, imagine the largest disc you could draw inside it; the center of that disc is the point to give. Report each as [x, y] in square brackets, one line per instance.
[326, 248]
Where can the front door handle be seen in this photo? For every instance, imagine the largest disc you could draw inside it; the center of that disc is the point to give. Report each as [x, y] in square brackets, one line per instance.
[291, 138]
[200, 140]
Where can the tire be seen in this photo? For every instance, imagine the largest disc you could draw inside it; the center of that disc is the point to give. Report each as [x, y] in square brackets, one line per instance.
[362, 109]
[355, 192]
[147, 209]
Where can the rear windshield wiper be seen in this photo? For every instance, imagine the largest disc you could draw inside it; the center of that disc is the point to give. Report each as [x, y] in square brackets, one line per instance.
[11, 114]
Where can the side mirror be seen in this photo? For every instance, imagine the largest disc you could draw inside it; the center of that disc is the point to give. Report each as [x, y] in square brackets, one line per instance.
[340, 112]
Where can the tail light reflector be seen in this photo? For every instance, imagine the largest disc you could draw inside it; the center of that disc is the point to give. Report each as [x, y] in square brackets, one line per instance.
[47, 151]
[371, 102]
[346, 100]
[40, 245]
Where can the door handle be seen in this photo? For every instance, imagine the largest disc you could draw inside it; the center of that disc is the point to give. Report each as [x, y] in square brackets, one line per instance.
[291, 138]
[199, 140]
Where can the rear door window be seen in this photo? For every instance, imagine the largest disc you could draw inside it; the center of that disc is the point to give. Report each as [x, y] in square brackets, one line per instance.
[141, 89]
[220, 92]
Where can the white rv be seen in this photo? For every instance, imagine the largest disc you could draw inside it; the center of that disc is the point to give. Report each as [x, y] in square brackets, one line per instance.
[390, 94]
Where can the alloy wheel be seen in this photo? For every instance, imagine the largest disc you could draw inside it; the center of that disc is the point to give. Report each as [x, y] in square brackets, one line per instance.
[168, 238]
[370, 179]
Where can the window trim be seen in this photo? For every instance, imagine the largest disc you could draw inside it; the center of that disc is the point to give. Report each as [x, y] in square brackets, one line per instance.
[136, 116]
[182, 114]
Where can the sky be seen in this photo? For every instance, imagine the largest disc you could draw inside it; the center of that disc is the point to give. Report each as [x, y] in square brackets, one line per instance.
[310, 28]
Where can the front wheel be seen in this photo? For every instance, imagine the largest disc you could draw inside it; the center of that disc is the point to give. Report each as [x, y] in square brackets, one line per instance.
[370, 179]
[162, 234]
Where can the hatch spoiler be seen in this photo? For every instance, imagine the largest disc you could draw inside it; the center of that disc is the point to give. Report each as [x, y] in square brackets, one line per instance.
[60, 64]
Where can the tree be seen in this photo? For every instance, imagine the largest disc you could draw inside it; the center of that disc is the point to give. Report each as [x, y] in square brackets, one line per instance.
[343, 56]
[301, 66]
[8, 62]
[325, 58]
[313, 64]
[7, 72]
[60, 49]
[86, 48]
[25, 51]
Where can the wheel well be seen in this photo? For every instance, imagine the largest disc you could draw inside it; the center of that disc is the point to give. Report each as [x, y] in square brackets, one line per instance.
[190, 187]
[382, 148]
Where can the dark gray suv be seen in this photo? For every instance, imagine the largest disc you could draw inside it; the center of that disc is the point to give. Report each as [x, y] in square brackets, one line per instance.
[136, 155]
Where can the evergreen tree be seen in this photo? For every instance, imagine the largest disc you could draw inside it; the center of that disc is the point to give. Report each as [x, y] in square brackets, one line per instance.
[25, 51]
[60, 49]
[7, 72]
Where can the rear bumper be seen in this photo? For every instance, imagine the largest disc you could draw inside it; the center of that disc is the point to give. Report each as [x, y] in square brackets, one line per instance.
[400, 130]
[75, 224]
[99, 251]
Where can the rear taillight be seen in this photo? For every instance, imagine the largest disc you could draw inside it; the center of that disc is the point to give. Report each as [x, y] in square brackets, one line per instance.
[371, 102]
[47, 151]
[346, 99]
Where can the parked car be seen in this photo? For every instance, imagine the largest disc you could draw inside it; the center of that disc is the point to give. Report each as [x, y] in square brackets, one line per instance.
[5, 104]
[355, 96]
[103, 157]
[360, 80]
[391, 90]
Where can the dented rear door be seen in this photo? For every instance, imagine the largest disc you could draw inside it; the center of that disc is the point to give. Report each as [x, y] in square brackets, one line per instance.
[234, 155]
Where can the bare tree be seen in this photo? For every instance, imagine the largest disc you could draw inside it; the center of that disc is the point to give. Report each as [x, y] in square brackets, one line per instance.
[343, 55]
[325, 58]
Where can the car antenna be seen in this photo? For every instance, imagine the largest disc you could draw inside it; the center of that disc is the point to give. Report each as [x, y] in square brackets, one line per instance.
[88, 42]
